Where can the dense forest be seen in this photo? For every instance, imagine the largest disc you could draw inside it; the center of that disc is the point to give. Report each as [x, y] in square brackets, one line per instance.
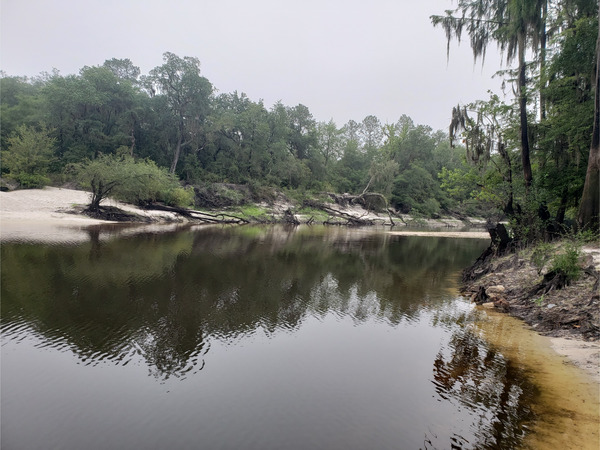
[524, 156]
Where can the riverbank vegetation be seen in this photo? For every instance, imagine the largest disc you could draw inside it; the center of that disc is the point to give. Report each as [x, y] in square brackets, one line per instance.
[175, 119]
[536, 158]
[530, 159]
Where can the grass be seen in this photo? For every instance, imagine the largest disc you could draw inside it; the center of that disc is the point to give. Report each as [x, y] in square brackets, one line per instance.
[317, 214]
[541, 254]
[253, 212]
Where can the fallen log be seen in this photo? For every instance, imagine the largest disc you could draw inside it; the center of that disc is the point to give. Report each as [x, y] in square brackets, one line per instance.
[351, 220]
[197, 215]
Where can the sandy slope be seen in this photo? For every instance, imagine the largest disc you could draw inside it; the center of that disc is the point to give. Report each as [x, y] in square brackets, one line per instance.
[49, 214]
[48, 204]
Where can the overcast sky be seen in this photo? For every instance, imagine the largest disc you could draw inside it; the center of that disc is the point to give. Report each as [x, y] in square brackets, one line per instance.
[343, 59]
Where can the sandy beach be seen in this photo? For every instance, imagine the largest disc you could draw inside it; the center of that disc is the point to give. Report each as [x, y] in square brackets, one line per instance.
[50, 214]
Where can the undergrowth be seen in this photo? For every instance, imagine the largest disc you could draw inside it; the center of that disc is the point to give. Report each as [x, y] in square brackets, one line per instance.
[567, 261]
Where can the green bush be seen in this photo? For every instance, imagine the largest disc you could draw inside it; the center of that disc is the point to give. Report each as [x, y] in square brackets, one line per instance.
[415, 190]
[179, 196]
[541, 255]
[430, 207]
[126, 179]
[587, 236]
[28, 156]
[29, 180]
[567, 261]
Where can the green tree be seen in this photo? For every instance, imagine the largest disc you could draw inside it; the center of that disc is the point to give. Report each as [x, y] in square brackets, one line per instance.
[91, 112]
[124, 178]
[303, 135]
[416, 190]
[237, 140]
[371, 133]
[187, 95]
[123, 69]
[20, 104]
[28, 156]
[515, 25]
[564, 140]
[329, 141]
[589, 209]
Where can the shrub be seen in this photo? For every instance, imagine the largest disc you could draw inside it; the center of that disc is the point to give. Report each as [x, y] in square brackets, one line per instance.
[124, 178]
[179, 196]
[30, 180]
[541, 255]
[28, 156]
[567, 261]
[587, 236]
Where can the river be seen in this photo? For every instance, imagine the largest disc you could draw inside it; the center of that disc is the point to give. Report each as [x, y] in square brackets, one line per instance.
[256, 338]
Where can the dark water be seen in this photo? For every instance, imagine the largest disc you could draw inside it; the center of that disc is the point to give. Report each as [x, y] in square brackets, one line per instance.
[250, 338]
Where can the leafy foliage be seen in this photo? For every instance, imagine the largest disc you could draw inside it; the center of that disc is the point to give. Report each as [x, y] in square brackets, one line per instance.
[28, 156]
[567, 262]
[524, 159]
[130, 180]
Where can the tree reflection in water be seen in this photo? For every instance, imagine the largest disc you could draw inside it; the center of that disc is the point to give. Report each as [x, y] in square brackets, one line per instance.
[164, 297]
[472, 375]
[324, 297]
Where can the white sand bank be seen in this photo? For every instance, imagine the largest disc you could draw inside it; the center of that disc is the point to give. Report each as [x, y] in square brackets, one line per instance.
[48, 214]
[444, 233]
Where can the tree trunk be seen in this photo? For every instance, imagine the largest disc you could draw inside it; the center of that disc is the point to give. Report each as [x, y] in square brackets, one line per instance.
[177, 153]
[527, 174]
[94, 205]
[509, 208]
[587, 217]
[543, 61]
[132, 147]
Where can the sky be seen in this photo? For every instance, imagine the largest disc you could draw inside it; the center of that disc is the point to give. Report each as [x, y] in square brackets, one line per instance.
[343, 59]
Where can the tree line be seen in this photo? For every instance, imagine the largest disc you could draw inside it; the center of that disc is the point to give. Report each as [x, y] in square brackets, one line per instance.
[540, 152]
[175, 118]
[532, 157]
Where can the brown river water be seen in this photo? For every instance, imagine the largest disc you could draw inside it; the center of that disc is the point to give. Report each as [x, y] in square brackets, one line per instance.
[270, 338]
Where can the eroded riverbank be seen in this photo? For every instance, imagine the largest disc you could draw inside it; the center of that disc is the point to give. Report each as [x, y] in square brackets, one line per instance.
[568, 317]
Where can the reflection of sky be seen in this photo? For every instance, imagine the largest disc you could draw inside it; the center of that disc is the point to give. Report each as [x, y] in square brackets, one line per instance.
[329, 383]
[269, 346]
[340, 384]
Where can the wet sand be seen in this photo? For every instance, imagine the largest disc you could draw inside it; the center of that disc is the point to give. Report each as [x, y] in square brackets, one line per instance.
[568, 408]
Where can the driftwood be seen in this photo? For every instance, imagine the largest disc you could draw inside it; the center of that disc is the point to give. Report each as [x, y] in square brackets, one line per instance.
[361, 199]
[197, 215]
[351, 220]
[365, 200]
